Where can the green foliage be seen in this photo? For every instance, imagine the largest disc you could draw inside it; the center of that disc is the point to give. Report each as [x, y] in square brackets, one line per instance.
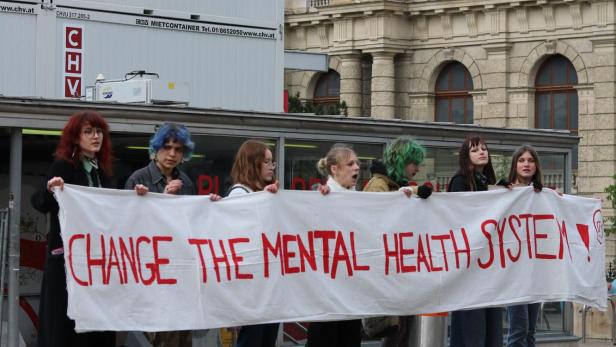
[501, 166]
[297, 105]
[608, 222]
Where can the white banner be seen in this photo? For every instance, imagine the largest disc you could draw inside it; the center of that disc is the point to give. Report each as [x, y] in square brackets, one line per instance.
[164, 262]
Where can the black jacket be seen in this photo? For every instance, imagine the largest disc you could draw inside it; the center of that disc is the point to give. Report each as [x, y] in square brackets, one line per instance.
[44, 201]
[459, 183]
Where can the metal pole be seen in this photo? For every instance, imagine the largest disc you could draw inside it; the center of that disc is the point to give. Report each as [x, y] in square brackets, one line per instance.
[14, 218]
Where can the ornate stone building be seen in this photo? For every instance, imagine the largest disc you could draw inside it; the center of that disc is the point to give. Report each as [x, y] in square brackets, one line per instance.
[518, 64]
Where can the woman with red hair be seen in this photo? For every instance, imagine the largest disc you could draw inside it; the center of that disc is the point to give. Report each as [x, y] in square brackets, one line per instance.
[83, 157]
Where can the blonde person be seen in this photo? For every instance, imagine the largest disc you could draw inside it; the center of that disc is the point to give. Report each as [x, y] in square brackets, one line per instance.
[253, 171]
[341, 167]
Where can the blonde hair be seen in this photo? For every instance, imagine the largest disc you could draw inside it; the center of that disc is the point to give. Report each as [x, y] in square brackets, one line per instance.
[338, 154]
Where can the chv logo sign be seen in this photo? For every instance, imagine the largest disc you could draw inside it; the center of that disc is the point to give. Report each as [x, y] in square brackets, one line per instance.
[72, 64]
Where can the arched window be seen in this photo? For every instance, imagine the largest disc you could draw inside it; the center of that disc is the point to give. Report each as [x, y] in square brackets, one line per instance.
[327, 89]
[556, 101]
[454, 103]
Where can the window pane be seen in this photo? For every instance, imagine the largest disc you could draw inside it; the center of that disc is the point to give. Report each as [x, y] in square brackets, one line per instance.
[573, 110]
[469, 110]
[559, 70]
[457, 110]
[442, 110]
[543, 111]
[572, 75]
[301, 157]
[442, 82]
[543, 77]
[457, 76]
[560, 111]
[321, 88]
[334, 85]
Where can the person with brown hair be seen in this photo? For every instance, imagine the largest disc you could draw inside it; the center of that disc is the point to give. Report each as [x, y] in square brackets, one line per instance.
[525, 170]
[481, 327]
[83, 157]
[253, 171]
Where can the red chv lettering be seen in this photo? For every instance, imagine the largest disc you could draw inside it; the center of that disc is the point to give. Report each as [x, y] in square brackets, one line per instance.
[237, 259]
[341, 254]
[275, 250]
[70, 258]
[538, 236]
[199, 243]
[389, 253]
[405, 251]
[325, 236]
[485, 265]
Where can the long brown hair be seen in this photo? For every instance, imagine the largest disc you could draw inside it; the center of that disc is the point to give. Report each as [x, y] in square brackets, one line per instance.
[248, 162]
[68, 148]
[513, 173]
[467, 169]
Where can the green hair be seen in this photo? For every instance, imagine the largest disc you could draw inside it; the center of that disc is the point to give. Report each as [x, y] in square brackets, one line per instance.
[398, 154]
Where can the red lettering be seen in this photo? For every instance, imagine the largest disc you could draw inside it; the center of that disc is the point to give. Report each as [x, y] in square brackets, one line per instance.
[113, 262]
[341, 254]
[526, 217]
[405, 251]
[485, 265]
[325, 236]
[199, 243]
[431, 266]
[158, 261]
[538, 236]
[457, 251]
[500, 230]
[562, 230]
[421, 256]
[92, 262]
[217, 260]
[287, 255]
[152, 278]
[517, 237]
[357, 267]
[389, 253]
[442, 239]
[306, 256]
[275, 250]
[70, 259]
[297, 181]
[237, 259]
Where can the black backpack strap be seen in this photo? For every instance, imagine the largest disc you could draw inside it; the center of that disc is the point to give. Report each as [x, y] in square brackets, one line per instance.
[234, 187]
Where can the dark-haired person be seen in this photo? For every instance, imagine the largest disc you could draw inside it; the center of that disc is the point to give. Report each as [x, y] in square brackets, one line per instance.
[525, 170]
[83, 157]
[169, 147]
[253, 171]
[477, 327]
[401, 161]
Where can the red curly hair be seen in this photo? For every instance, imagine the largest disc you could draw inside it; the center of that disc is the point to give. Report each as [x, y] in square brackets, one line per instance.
[68, 149]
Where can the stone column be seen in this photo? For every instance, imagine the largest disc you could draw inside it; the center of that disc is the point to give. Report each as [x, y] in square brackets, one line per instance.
[403, 72]
[350, 83]
[495, 81]
[383, 85]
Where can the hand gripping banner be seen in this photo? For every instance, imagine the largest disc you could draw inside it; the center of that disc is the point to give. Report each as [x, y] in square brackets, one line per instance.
[162, 262]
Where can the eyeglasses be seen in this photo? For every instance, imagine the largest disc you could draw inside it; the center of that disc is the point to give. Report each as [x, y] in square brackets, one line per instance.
[90, 132]
[270, 163]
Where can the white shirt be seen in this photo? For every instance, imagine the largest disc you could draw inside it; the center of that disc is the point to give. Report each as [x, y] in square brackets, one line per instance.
[334, 186]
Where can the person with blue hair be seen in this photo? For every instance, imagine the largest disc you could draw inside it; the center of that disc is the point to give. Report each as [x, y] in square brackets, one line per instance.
[169, 147]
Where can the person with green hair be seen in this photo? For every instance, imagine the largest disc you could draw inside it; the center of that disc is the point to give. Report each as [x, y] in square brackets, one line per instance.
[401, 161]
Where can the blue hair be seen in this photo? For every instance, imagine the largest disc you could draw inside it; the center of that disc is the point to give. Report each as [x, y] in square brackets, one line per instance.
[172, 131]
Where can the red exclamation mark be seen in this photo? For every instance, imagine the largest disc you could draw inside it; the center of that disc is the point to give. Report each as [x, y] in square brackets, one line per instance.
[583, 230]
